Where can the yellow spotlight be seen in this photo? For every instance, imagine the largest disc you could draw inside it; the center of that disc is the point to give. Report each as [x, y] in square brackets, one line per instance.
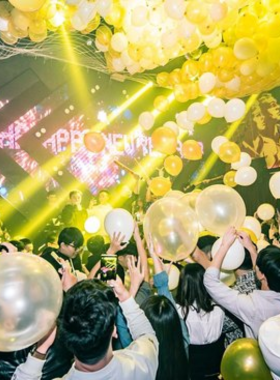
[92, 225]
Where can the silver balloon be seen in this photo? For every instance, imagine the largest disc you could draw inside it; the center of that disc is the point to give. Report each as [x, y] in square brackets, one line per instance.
[173, 227]
[30, 300]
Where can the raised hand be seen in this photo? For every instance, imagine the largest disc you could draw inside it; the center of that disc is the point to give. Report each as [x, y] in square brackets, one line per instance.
[116, 243]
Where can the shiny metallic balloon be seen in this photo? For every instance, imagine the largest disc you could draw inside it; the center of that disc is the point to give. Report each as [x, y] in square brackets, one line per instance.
[243, 360]
[30, 300]
[173, 227]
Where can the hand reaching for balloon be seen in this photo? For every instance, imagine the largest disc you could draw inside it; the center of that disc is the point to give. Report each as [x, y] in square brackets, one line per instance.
[119, 289]
[116, 243]
[229, 237]
[158, 264]
[244, 239]
[45, 343]
[136, 274]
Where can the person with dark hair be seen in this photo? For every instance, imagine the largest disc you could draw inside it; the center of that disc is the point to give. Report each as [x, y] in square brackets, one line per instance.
[70, 242]
[96, 247]
[253, 308]
[18, 244]
[28, 245]
[87, 326]
[164, 318]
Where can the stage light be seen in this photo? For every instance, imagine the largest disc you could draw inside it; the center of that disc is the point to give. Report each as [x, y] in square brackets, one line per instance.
[92, 225]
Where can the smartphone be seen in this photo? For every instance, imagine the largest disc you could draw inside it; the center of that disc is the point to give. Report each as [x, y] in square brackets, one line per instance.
[108, 269]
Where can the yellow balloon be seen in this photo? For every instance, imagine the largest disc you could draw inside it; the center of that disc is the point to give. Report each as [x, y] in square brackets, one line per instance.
[252, 235]
[206, 62]
[223, 57]
[173, 165]
[164, 140]
[28, 5]
[174, 77]
[116, 15]
[191, 150]
[206, 118]
[181, 92]
[161, 103]
[246, 25]
[163, 79]
[196, 11]
[92, 25]
[229, 179]
[103, 35]
[189, 70]
[229, 152]
[159, 186]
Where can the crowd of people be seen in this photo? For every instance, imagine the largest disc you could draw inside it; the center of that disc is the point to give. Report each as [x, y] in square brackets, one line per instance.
[132, 326]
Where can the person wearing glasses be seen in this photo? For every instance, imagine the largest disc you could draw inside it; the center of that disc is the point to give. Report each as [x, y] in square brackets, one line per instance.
[70, 245]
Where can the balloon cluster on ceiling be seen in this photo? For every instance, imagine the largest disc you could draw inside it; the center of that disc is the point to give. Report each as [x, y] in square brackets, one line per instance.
[232, 47]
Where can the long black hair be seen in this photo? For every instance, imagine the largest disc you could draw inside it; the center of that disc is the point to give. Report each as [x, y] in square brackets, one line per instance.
[173, 361]
[191, 290]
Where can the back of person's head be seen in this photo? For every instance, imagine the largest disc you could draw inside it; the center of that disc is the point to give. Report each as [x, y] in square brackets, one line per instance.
[96, 245]
[130, 249]
[71, 235]
[205, 244]
[268, 262]
[26, 241]
[18, 244]
[247, 263]
[164, 318]
[75, 192]
[191, 290]
[87, 320]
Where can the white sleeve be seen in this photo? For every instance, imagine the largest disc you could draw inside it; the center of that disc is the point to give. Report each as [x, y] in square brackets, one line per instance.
[30, 370]
[241, 305]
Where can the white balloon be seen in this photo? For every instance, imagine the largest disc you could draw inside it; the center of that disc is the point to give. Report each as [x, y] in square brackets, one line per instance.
[217, 142]
[146, 120]
[234, 257]
[120, 221]
[207, 82]
[270, 343]
[216, 107]
[261, 244]
[86, 11]
[119, 42]
[196, 111]
[103, 7]
[274, 185]
[174, 194]
[218, 11]
[183, 121]
[139, 16]
[234, 110]
[175, 8]
[253, 225]
[173, 277]
[266, 211]
[245, 160]
[172, 125]
[245, 176]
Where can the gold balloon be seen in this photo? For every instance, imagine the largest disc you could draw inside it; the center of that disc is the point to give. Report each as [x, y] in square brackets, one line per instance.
[189, 70]
[229, 179]
[243, 360]
[28, 5]
[159, 186]
[229, 152]
[181, 92]
[161, 103]
[174, 77]
[173, 165]
[163, 79]
[252, 235]
[191, 150]
[164, 140]
[196, 12]
[103, 35]
[116, 16]
[205, 119]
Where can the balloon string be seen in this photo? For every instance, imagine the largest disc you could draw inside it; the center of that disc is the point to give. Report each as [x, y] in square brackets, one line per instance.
[202, 182]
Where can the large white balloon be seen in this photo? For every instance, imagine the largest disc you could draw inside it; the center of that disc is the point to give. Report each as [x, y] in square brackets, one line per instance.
[216, 108]
[270, 343]
[217, 142]
[234, 110]
[245, 176]
[245, 160]
[174, 194]
[30, 300]
[173, 228]
[253, 225]
[120, 221]
[266, 211]
[218, 207]
[274, 185]
[234, 257]
[207, 82]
